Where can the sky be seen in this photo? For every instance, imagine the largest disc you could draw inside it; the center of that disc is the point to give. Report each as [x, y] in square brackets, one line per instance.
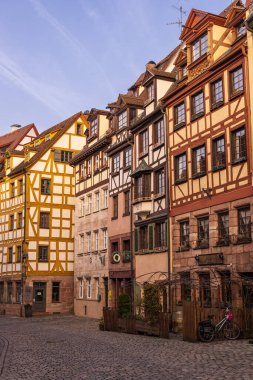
[59, 57]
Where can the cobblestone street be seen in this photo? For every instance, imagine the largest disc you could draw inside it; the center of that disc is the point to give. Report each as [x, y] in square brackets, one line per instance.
[73, 348]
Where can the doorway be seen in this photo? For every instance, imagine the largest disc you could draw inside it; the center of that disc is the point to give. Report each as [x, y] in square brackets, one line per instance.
[39, 296]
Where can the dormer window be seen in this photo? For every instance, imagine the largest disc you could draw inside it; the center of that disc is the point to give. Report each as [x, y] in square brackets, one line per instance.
[240, 29]
[184, 71]
[151, 91]
[123, 119]
[93, 127]
[199, 47]
[79, 129]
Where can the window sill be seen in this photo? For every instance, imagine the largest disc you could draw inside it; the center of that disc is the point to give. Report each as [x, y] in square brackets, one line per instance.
[198, 175]
[239, 161]
[216, 106]
[222, 244]
[160, 195]
[179, 126]
[197, 61]
[180, 181]
[204, 246]
[197, 116]
[91, 138]
[114, 218]
[236, 95]
[182, 249]
[143, 199]
[218, 168]
[158, 145]
[244, 241]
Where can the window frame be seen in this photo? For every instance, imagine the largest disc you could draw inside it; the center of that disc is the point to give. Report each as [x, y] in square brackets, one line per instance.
[116, 163]
[184, 238]
[199, 40]
[178, 125]
[160, 183]
[44, 216]
[202, 240]
[215, 153]
[233, 92]
[127, 157]
[197, 115]
[176, 168]
[58, 298]
[214, 103]
[41, 253]
[45, 189]
[246, 237]
[115, 210]
[233, 142]
[127, 203]
[159, 132]
[143, 142]
[122, 120]
[195, 173]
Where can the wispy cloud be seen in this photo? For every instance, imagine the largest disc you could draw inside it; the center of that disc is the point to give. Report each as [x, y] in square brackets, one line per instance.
[47, 94]
[68, 37]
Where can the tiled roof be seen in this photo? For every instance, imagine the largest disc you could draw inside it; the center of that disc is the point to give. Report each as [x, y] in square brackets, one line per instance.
[138, 82]
[12, 139]
[227, 10]
[42, 148]
[142, 168]
[162, 65]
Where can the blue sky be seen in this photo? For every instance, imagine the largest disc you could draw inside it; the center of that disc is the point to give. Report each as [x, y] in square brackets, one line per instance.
[58, 57]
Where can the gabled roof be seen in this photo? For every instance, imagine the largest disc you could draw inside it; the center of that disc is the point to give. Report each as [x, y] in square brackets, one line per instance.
[193, 19]
[227, 10]
[163, 64]
[126, 99]
[236, 9]
[41, 149]
[12, 139]
[141, 169]
[138, 82]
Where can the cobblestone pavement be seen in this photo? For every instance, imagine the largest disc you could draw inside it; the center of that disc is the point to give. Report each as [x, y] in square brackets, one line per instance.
[73, 348]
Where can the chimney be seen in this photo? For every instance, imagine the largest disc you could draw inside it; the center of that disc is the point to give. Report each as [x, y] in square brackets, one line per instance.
[15, 127]
[152, 64]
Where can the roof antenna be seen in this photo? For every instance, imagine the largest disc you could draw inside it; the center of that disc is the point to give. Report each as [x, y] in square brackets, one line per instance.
[182, 12]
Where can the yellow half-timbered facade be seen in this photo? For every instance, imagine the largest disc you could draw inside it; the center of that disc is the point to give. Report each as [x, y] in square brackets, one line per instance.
[37, 220]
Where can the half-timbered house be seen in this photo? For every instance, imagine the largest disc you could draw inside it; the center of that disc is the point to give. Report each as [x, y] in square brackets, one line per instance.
[150, 176]
[122, 114]
[210, 161]
[91, 218]
[37, 220]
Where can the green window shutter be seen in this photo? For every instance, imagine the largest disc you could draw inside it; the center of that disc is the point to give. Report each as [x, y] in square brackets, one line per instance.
[166, 233]
[151, 237]
[136, 239]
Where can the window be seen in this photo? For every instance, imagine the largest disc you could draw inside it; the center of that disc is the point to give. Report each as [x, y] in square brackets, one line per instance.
[45, 186]
[105, 198]
[80, 288]
[179, 115]
[18, 292]
[81, 243]
[12, 190]
[88, 282]
[143, 142]
[199, 161]
[199, 47]
[115, 247]
[97, 201]
[43, 253]
[93, 127]
[184, 71]
[132, 115]
[184, 234]
[219, 154]
[180, 168]
[97, 288]
[185, 286]
[240, 29]
[81, 207]
[144, 237]
[19, 253]
[20, 220]
[223, 228]
[105, 238]
[89, 242]
[160, 181]
[236, 81]
[122, 119]
[96, 162]
[96, 237]
[204, 290]
[127, 157]
[62, 156]
[115, 207]
[217, 97]
[11, 226]
[151, 91]
[115, 163]
[55, 292]
[127, 202]
[8, 163]
[226, 290]
[197, 105]
[239, 150]
[82, 170]
[160, 235]
[89, 202]
[88, 168]
[44, 219]
[21, 186]
[10, 255]
[9, 292]
[159, 132]
[244, 224]
[104, 159]
[142, 187]
[126, 254]
[203, 232]
[79, 129]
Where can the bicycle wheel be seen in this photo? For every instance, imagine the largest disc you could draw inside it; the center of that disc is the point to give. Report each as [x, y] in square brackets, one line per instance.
[206, 333]
[231, 331]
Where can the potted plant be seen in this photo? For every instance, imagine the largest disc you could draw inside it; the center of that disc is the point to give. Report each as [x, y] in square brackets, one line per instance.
[101, 324]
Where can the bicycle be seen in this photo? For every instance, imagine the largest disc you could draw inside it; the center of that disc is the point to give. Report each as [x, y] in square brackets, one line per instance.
[208, 330]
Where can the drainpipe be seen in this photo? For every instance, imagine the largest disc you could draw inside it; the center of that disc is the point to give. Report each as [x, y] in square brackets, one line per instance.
[24, 254]
[131, 234]
[169, 306]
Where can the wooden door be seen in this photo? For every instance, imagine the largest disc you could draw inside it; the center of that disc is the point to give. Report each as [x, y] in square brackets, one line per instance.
[39, 296]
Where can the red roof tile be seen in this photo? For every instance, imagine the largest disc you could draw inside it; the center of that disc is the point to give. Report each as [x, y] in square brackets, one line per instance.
[12, 139]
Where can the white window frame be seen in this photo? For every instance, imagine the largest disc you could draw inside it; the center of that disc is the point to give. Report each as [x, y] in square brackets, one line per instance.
[89, 204]
[81, 207]
[81, 243]
[96, 239]
[88, 281]
[89, 243]
[80, 288]
[105, 198]
[105, 238]
[97, 201]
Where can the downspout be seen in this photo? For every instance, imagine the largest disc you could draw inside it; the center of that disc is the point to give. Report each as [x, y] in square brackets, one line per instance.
[169, 306]
[131, 234]
[24, 254]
